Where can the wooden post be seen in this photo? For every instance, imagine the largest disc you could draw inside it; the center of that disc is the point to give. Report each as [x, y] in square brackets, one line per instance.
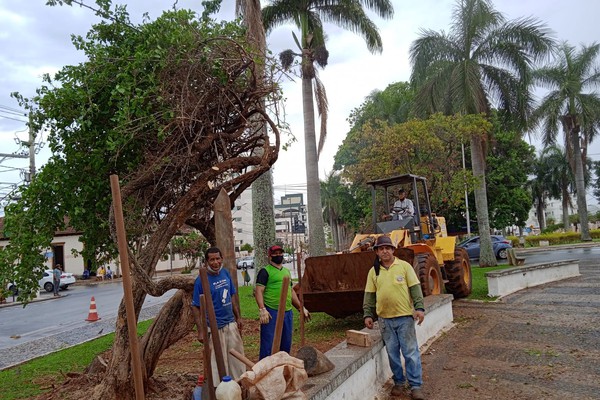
[128, 294]
[301, 298]
[212, 319]
[224, 233]
[249, 364]
[280, 314]
[208, 375]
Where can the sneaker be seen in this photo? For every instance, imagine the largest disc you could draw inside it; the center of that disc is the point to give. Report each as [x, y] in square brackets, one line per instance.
[397, 390]
[417, 394]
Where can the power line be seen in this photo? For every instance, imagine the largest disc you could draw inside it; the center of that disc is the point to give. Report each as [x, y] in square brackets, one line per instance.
[12, 109]
[14, 119]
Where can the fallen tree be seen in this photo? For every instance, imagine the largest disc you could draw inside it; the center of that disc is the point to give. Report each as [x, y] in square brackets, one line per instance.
[176, 107]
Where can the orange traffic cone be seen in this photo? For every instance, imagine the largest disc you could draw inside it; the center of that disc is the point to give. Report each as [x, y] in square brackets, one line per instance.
[93, 315]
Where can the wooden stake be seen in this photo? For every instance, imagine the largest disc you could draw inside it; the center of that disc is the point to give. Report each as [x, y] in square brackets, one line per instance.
[280, 314]
[208, 375]
[249, 364]
[212, 319]
[301, 298]
[224, 235]
[128, 294]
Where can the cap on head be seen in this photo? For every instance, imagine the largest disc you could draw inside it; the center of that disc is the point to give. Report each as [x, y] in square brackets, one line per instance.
[383, 241]
[273, 249]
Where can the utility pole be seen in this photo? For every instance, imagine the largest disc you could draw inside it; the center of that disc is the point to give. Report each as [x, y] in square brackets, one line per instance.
[31, 151]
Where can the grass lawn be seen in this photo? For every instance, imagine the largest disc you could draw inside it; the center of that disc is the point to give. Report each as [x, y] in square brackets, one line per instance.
[480, 286]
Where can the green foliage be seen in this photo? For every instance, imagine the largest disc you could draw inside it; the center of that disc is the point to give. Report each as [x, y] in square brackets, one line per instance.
[552, 227]
[558, 238]
[191, 246]
[509, 162]
[392, 106]
[247, 247]
[430, 148]
[151, 105]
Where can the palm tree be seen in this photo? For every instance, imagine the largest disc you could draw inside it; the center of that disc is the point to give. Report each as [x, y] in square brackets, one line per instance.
[558, 178]
[262, 188]
[309, 16]
[573, 105]
[482, 59]
[332, 206]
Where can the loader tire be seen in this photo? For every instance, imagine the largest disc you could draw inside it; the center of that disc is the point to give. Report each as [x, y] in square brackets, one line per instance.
[429, 273]
[458, 273]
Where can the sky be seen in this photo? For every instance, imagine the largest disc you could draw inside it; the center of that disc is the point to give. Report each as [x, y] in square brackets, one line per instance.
[35, 39]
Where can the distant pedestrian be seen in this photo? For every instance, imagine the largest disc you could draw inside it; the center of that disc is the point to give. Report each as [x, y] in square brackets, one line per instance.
[109, 274]
[56, 273]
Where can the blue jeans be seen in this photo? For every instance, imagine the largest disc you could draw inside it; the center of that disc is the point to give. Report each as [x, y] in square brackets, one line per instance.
[267, 333]
[399, 335]
[56, 285]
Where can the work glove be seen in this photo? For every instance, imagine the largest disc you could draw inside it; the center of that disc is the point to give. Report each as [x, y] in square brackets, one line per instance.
[265, 317]
[306, 314]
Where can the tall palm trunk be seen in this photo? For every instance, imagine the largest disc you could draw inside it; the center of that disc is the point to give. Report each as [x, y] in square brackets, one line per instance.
[487, 258]
[334, 231]
[316, 235]
[565, 208]
[541, 217]
[263, 218]
[572, 130]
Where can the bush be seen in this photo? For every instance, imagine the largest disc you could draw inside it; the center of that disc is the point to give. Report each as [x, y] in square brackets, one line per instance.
[559, 238]
[552, 228]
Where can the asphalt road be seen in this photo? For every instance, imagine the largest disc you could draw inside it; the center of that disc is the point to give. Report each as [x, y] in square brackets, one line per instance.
[41, 319]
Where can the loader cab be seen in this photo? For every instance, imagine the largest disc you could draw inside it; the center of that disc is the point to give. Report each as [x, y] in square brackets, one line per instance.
[422, 225]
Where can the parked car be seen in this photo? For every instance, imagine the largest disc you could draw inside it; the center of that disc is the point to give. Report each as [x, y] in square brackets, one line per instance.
[46, 282]
[287, 258]
[500, 244]
[245, 262]
[66, 279]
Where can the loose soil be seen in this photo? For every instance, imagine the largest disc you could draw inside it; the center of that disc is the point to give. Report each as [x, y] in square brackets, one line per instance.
[541, 343]
[177, 370]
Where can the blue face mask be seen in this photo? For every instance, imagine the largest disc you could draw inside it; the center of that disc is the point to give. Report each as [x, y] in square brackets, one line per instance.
[277, 259]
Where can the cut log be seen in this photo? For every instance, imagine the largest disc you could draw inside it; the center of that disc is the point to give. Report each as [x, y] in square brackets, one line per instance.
[358, 338]
[315, 362]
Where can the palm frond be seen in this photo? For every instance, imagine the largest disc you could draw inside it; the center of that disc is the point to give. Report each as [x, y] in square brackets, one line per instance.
[351, 16]
[383, 8]
[279, 12]
[428, 49]
[584, 63]
[323, 110]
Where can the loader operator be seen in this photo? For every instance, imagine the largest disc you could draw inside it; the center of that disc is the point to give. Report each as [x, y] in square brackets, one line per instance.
[393, 294]
[403, 207]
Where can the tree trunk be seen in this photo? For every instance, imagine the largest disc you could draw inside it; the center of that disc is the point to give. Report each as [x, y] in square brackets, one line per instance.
[316, 234]
[580, 185]
[334, 231]
[541, 217]
[263, 220]
[487, 258]
[565, 210]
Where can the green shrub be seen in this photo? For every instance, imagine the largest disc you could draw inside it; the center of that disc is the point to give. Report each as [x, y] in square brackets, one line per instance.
[551, 228]
[559, 238]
